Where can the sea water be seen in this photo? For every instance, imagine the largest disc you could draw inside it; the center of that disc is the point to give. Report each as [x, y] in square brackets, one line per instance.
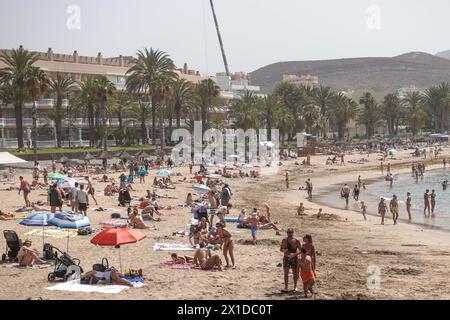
[403, 183]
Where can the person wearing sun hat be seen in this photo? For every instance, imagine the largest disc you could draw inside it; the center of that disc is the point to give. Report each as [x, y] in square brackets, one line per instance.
[27, 256]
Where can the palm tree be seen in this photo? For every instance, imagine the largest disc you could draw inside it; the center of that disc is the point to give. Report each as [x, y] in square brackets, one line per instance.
[121, 106]
[163, 84]
[36, 82]
[310, 115]
[294, 99]
[323, 96]
[148, 65]
[285, 121]
[343, 110]
[207, 91]
[60, 87]
[16, 72]
[268, 106]
[435, 99]
[182, 96]
[104, 89]
[370, 114]
[391, 106]
[244, 111]
[85, 102]
[415, 116]
[140, 110]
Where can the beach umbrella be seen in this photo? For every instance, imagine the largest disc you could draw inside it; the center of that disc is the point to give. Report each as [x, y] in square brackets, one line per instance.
[88, 156]
[164, 172]
[63, 159]
[201, 188]
[105, 155]
[66, 183]
[267, 143]
[56, 176]
[247, 165]
[38, 219]
[126, 155]
[392, 151]
[117, 237]
[234, 156]
[67, 220]
[143, 154]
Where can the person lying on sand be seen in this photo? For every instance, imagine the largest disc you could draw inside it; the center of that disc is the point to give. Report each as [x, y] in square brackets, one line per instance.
[109, 276]
[136, 221]
[27, 257]
[181, 260]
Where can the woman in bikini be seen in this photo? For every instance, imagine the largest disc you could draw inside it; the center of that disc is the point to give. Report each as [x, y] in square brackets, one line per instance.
[433, 201]
[25, 187]
[227, 244]
[382, 208]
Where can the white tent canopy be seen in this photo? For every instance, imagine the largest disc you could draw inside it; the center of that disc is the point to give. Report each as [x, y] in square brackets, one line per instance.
[8, 158]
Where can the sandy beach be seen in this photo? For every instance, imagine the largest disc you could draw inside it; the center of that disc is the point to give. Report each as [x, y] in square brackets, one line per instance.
[412, 260]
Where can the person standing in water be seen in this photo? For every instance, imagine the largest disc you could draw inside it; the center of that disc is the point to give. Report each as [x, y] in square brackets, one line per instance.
[433, 201]
[345, 193]
[382, 208]
[364, 209]
[426, 202]
[393, 206]
[408, 205]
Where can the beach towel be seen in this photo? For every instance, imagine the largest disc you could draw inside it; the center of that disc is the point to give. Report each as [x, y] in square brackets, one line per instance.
[173, 247]
[113, 223]
[16, 265]
[16, 217]
[171, 265]
[145, 219]
[76, 286]
[232, 220]
[53, 233]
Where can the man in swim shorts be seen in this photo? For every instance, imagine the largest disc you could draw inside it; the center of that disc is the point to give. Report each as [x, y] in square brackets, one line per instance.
[253, 222]
[290, 247]
[393, 206]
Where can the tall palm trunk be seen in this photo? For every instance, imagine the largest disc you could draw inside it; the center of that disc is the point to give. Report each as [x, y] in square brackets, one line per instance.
[35, 131]
[153, 122]
[178, 115]
[170, 123]
[121, 128]
[19, 123]
[58, 121]
[144, 131]
[91, 125]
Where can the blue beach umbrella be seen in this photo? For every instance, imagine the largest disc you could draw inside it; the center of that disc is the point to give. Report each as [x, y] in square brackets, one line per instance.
[201, 188]
[39, 219]
[164, 172]
[67, 220]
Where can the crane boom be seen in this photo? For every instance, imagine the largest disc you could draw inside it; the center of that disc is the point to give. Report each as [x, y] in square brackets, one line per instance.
[220, 39]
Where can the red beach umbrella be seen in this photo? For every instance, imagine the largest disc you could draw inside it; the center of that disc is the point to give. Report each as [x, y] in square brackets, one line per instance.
[117, 237]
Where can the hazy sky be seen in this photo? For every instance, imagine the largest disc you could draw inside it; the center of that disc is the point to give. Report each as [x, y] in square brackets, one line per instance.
[255, 32]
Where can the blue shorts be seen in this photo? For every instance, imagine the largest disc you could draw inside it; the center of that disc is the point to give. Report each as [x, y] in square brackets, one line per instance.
[254, 229]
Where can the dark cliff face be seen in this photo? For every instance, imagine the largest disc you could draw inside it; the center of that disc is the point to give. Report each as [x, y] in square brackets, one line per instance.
[377, 74]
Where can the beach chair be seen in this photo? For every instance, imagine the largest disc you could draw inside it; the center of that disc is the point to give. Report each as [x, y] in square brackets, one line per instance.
[13, 244]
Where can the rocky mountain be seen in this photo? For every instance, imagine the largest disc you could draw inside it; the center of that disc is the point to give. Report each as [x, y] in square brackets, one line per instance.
[375, 74]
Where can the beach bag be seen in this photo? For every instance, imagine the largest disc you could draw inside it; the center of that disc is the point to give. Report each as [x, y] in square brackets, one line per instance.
[101, 267]
[48, 252]
[84, 231]
[115, 216]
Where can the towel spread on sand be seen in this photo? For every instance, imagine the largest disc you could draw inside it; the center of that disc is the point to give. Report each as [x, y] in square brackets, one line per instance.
[173, 247]
[16, 265]
[171, 265]
[113, 223]
[53, 233]
[76, 286]
[16, 217]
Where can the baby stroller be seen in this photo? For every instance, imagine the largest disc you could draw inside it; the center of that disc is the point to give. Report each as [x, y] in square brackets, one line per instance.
[13, 244]
[124, 197]
[65, 266]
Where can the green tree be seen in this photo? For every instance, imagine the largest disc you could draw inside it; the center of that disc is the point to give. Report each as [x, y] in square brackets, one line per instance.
[343, 109]
[207, 91]
[244, 111]
[182, 97]
[60, 88]
[284, 121]
[370, 114]
[104, 90]
[15, 74]
[392, 112]
[85, 104]
[145, 69]
[121, 107]
[267, 107]
[323, 97]
[37, 82]
[310, 115]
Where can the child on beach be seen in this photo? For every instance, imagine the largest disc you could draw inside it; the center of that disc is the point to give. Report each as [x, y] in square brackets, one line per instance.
[364, 209]
[306, 272]
[253, 223]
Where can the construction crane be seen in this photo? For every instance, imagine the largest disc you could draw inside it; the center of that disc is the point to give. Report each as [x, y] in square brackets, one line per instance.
[220, 39]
